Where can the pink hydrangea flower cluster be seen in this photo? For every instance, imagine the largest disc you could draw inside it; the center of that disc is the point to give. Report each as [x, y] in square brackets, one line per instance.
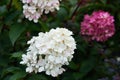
[99, 26]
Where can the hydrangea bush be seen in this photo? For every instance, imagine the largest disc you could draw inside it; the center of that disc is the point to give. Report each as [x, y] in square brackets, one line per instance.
[85, 46]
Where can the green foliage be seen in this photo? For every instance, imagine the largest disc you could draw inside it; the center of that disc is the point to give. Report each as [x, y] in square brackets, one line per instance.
[15, 32]
[18, 76]
[17, 55]
[88, 61]
[37, 77]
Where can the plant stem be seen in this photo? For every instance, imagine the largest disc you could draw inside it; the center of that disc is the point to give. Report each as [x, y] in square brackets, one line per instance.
[75, 11]
[9, 5]
[44, 26]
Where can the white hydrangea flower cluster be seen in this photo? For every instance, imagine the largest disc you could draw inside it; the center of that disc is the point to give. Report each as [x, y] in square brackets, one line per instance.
[33, 9]
[49, 52]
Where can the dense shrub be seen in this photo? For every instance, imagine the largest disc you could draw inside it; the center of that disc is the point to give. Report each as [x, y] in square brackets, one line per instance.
[92, 60]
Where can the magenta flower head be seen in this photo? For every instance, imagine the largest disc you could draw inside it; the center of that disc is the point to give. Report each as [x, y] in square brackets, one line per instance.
[99, 26]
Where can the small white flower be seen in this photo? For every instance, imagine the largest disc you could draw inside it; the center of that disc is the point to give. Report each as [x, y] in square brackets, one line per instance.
[33, 9]
[41, 69]
[118, 59]
[29, 69]
[48, 53]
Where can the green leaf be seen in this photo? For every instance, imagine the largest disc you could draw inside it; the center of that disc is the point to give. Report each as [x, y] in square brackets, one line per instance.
[3, 61]
[2, 10]
[6, 78]
[72, 65]
[77, 75]
[17, 4]
[73, 2]
[10, 70]
[44, 26]
[68, 76]
[104, 1]
[15, 32]
[12, 16]
[37, 77]
[87, 66]
[62, 14]
[17, 54]
[18, 76]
